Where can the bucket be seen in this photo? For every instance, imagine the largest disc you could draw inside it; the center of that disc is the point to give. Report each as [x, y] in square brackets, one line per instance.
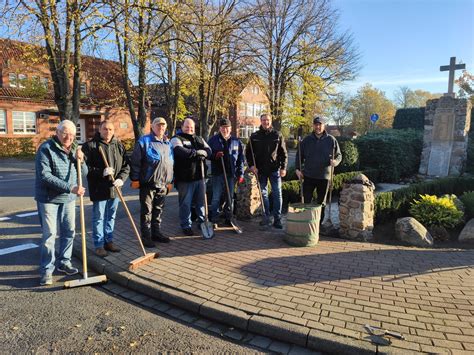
[302, 225]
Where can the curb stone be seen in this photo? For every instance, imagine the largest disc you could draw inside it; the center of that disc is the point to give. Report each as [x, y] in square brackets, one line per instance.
[277, 329]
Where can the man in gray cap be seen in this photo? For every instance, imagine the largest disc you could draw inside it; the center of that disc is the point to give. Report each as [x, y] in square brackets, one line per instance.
[319, 153]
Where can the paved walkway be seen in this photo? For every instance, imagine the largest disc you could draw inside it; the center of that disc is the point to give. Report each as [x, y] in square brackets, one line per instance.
[319, 297]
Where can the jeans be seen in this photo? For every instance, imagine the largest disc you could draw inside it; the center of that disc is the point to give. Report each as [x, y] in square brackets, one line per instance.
[321, 186]
[56, 217]
[152, 202]
[190, 194]
[103, 221]
[218, 186]
[275, 182]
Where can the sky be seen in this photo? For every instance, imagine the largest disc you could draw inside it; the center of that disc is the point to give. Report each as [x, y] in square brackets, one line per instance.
[404, 42]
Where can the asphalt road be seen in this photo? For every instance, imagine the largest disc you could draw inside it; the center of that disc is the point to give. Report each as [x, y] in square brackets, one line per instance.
[85, 319]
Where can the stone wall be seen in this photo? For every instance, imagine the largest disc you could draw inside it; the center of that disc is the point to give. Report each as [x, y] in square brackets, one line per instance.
[357, 209]
[248, 203]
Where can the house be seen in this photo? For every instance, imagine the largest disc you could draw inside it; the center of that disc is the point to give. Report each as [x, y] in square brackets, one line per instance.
[27, 107]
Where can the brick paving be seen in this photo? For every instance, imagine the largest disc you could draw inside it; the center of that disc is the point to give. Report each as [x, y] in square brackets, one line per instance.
[336, 287]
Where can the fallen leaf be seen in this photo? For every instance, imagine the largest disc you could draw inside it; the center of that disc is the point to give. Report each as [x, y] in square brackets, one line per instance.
[78, 325]
[122, 327]
[108, 329]
[15, 328]
[133, 343]
[90, 338]
[107, 313]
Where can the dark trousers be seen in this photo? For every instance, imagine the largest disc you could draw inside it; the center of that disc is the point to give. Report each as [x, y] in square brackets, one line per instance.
[321, 186]
[152, 201]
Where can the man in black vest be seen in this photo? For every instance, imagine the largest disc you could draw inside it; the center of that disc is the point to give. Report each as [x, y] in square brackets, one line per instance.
[190, 151]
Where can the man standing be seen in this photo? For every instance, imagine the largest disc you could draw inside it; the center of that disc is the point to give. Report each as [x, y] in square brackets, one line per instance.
[319, 154]
[190, 151]
[152, 172]
[55, 194]
[268, 148]
[101, 189]
[230, 149]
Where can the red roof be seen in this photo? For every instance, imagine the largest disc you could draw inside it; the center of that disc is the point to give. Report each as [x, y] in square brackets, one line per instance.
[20, 94]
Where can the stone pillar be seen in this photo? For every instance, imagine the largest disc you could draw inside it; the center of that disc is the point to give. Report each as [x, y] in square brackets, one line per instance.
[248, 204]
[357, 209]
[447, 123]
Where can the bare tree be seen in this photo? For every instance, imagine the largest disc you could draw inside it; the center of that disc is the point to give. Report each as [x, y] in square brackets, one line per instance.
[292, 36]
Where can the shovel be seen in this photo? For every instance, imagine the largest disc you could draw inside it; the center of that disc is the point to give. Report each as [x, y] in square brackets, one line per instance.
[86, 280]
[235, 227]
[381, 332]
[206, 226]
[328, 228]
[265, 217]
[301, 169]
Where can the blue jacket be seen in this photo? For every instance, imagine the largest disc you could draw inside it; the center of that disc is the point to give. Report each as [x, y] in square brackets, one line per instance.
[56, 172]
[152, 162]
[235, 151]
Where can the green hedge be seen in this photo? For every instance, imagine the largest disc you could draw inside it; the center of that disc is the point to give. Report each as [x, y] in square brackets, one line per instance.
[350, 155]
[395, 153]
[409, 118]
[468, 202]
[16, 147]
[394, 204]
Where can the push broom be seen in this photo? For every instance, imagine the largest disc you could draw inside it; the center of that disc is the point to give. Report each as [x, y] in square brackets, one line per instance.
[85, 280]
[136, 263]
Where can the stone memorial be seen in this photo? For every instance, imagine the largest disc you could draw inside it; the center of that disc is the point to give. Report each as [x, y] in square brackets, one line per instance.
[447, 123]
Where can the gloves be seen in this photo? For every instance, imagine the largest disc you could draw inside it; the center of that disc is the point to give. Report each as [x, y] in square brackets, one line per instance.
[219, 154]
[169, 187]
[240, 180]
[135, 184]
[118, 183]
[108, 171]
[201, 153]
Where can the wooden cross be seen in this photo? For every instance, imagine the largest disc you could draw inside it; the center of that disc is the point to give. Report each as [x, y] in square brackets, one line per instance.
[452, 67]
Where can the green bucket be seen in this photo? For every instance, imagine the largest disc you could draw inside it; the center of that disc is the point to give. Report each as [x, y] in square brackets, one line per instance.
[302, 225]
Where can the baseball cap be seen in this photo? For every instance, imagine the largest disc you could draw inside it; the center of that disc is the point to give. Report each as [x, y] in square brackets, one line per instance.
[319, 120]
[159, 120]
[224, 122]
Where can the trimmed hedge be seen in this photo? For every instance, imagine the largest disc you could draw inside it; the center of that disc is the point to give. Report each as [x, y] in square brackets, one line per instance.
[350, 156]
[409, 118]
[394, 204]
[395, 153]
[16, 147]
[468, 201]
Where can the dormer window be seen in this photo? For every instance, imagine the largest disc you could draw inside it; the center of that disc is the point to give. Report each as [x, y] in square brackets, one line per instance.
[44, 82]
[12, 80]
[83, 89]
[255, 90]
[22, 80]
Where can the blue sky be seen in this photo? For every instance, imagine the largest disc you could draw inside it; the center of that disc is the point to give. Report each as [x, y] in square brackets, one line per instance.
[404, 42]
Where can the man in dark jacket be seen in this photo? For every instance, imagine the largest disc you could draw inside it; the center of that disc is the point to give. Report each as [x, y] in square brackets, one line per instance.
[319, 154]
[231, 151]
[56, 190]
[101, 189]
[267, 158]
[152, 173]
[190, 151]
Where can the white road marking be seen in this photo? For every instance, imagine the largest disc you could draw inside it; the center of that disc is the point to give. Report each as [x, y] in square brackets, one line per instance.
[4, 219]
[14, 180]
[17, 248]
[27, 214]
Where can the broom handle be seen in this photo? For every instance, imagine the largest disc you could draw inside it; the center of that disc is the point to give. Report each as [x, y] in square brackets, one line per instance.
[119, 193]
[301, 168]
[228, 189]
[83, 223]
[205, 192]
[256, 175]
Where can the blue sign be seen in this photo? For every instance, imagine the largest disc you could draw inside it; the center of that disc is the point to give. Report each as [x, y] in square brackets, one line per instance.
[374, 117]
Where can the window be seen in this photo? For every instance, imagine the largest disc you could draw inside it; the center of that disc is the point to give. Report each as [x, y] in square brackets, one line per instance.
[3, 122]
[248, 110]
[24, 122]
[83, 89]
[255, 90]
[246, 131]
[22, 80]
[44, 82]
[12, 79]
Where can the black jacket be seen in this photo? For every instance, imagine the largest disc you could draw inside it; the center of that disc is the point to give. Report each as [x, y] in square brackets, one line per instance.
[100, 187]
[269, 150]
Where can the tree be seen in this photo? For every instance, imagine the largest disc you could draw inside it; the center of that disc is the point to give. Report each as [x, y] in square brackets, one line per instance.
[339, 111]
[297, 37]
[368, 101]
[466, 85]
[405, 97]
[63, 26]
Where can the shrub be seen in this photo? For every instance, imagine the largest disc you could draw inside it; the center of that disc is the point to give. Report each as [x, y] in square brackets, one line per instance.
[409, 118]
[431, 211]
[350, 156]
[395, 204]
[468, 200]
[395, 153]
[129, 143]
[291, 143]
[16, 147]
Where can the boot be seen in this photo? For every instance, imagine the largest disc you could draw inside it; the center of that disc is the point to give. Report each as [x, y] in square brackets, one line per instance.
[111, 247]
[148, 243]
[159, 237]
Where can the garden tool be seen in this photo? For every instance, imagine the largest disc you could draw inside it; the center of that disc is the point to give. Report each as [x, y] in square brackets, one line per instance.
[328, 228]
[206, 227]
[85, 280]
[301, 169]
[382, 332]
[235, 227]
[265, 217]
[136, 263]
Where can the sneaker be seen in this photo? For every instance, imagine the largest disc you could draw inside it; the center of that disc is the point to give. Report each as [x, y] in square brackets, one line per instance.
[46, 279]
[188, 231]
[147, 242]
[277, 224]
[160, 238]
[110, 246]
[228, 223]
[101, 252]
[264, 222]
[68, 269]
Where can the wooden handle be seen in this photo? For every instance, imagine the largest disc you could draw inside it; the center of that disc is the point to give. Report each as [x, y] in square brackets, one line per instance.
[83, 223]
